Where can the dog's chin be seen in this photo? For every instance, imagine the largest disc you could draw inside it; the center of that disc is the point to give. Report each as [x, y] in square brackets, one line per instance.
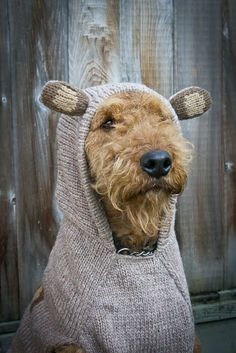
[161, 187]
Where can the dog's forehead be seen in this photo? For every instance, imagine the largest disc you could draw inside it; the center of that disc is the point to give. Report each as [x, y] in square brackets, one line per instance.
[134, 100]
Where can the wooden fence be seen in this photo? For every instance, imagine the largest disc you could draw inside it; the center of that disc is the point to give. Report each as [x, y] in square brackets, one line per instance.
[167, 45]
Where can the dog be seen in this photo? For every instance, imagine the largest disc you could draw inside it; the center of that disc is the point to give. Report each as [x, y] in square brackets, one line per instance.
[133, 160]
[138, 158]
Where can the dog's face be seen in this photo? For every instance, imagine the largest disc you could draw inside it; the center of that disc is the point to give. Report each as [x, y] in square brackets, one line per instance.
[137, 155]
[125, 129]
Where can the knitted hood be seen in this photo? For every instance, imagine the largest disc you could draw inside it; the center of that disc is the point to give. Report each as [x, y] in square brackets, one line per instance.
[77, 200]
[91, 296]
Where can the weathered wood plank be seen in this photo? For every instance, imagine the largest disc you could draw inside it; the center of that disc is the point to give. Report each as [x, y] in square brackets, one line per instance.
[146, 43]
[93, 42]
[39, 42]
[198, 61]
[8, 327]
[214, 306]
[7, 332]
[9, 309]
[229, 99]
[217, 337]
[5, 342]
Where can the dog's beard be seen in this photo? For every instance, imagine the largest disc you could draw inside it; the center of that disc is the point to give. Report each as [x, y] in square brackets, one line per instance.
[142, 201]
[147, 211]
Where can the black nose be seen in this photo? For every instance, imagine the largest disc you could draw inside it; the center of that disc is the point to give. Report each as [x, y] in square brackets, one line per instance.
[156, 163]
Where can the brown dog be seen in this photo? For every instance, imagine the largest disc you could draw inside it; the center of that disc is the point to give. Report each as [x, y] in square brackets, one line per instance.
[137, 161]
[125, 128]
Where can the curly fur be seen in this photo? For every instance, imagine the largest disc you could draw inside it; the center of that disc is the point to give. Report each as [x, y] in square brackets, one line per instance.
[135, 202]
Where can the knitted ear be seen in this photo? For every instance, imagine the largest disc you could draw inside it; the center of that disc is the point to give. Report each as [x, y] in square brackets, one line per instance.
[191, 102]
[63, 98]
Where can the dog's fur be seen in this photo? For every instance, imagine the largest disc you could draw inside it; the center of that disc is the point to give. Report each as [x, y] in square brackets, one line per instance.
[135, 203]
[126, 126]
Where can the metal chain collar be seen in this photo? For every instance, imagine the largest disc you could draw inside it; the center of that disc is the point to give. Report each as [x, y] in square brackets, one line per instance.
[127, 251]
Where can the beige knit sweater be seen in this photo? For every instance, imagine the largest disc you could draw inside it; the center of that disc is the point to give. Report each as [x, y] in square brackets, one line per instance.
[104, 301]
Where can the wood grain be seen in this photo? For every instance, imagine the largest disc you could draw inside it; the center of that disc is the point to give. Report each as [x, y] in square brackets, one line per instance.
[198, 60]
[146, 43]
[229, 99]
[9, 304]
[39, 42]
[214, 306]
[217, 337]
[93, 42]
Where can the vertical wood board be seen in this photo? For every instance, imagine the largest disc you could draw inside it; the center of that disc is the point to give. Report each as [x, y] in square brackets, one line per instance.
[198, 61]
[146, 43]
[229, 131]
[9, 305]
[93, 42]
[39, 42]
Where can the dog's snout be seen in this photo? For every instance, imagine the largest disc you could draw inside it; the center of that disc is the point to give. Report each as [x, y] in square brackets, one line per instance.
[156, 163]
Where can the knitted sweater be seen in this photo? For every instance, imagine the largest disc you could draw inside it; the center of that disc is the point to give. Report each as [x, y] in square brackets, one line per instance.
[104, 301]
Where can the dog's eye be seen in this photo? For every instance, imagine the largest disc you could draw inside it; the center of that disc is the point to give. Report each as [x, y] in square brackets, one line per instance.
[108, 124]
